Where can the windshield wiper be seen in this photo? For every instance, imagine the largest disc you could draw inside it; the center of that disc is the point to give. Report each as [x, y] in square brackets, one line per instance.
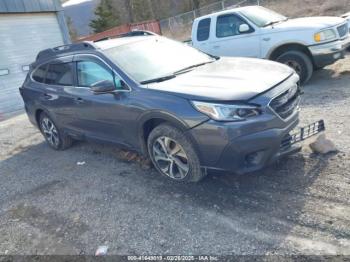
[158, 79]
[275, 22]
[183, 70]
[173, 75]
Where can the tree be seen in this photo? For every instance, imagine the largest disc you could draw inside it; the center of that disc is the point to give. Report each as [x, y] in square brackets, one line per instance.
[195, 4]
[72, 31]
[106, 17]
[140, 10]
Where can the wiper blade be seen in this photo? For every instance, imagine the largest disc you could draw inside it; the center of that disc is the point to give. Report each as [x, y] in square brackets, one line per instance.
[271, 23]
[192, 66]
[173, 75]
[158, 79]
[275, 22]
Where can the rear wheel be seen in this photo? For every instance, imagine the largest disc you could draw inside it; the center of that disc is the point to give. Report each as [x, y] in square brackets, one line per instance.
[53, 136]
[300, 62]
[173, 155]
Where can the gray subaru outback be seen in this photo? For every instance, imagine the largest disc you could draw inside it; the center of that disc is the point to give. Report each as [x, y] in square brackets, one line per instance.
[187, 111]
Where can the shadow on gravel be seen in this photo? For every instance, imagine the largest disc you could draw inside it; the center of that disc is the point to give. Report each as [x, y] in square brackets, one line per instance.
[269, 201]
[326, 88]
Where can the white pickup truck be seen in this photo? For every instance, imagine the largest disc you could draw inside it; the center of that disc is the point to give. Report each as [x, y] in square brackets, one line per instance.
[305, 44]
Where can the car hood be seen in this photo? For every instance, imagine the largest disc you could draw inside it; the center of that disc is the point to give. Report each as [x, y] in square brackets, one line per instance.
[228, 79]
[320, 22]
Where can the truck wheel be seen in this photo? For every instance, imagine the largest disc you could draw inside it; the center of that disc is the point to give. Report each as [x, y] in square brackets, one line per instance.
[300, 62]
[53, 136]
[173, 155]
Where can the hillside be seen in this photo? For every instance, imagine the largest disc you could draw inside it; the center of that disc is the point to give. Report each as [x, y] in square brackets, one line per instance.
[298, 8]
[82, 11]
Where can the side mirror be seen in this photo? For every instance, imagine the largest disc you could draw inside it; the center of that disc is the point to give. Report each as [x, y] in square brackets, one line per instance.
[244, 28]
[104, 86]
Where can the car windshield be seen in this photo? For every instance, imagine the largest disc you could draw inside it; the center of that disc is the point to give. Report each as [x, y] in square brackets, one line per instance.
[155, 58]
[261, 16]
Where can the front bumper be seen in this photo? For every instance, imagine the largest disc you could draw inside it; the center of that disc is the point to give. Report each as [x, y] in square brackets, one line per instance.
[252, 152]
[326, 54]
[239, 148]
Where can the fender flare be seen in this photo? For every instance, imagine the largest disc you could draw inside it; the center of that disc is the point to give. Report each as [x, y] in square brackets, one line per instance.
[280, 44]
[161, 115]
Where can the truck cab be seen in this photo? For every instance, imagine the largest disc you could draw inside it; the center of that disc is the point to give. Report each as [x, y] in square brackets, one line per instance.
[305, 44]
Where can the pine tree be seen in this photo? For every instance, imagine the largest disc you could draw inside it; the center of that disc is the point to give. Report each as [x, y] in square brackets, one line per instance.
[106, 17]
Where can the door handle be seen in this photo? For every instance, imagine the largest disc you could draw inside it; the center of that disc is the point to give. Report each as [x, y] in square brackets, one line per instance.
[79, 100]
[47, 96]
[216, 46]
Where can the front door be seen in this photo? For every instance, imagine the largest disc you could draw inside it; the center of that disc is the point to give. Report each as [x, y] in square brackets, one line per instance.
[101, 116]
[229, 41]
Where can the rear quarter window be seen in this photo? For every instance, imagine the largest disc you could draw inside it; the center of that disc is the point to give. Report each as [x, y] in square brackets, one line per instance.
[203, 30]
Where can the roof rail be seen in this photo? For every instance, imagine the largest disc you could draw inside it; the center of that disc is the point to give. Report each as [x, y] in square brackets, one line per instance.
[50, 52]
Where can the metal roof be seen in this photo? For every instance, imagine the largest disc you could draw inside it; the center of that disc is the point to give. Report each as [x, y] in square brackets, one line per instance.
[29, 6]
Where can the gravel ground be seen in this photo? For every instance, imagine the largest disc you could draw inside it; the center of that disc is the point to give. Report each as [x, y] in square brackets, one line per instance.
[301, 205]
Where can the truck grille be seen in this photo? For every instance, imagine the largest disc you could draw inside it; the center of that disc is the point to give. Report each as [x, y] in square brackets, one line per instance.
[343, 30]
[286, 103]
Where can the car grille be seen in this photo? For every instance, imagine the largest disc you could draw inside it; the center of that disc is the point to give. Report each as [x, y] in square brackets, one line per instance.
[286, 103]
[343, 30]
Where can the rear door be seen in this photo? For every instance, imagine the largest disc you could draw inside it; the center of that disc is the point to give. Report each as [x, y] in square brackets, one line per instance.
[55, 78]
[227, 40]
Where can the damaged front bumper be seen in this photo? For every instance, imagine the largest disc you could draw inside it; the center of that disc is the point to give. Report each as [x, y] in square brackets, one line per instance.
[249, 153]
[302, 134]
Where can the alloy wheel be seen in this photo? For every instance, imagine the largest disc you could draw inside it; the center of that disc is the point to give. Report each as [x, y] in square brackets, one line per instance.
[170, 158]
[50, 131]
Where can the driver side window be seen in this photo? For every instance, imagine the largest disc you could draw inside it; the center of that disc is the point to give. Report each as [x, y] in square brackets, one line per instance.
[228, 25]
[89, 73]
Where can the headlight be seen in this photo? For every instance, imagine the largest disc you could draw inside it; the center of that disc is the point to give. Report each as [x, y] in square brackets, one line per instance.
[222, 112]
[325, 35]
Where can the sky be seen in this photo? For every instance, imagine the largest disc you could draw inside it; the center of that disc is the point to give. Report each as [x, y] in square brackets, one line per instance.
[74, 2]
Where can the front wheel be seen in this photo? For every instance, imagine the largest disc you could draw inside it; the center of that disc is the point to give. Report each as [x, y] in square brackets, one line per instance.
[173, 155]
[300, 62]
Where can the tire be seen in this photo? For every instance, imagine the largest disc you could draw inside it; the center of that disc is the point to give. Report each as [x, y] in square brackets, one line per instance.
[53, 136]
[319, 68]
[173, 154]
[300, 62]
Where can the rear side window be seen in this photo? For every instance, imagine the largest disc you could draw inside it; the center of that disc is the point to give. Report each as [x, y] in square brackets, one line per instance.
[39, 74]
[60, 74]
[203, 29]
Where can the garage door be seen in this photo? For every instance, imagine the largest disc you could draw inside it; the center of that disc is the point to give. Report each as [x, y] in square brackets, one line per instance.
[22, 37]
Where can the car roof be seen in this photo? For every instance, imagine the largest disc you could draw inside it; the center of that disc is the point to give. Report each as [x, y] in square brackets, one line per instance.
[71, 49]
[229, 11]
[107, 44]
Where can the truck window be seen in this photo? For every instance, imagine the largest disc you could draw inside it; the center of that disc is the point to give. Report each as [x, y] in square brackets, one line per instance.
[203, 29]
[228, 25]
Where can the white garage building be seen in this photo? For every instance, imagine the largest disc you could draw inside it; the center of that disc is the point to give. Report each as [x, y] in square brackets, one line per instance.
[26, 27]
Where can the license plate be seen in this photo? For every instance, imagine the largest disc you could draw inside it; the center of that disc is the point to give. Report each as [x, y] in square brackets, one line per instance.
[303, 134]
